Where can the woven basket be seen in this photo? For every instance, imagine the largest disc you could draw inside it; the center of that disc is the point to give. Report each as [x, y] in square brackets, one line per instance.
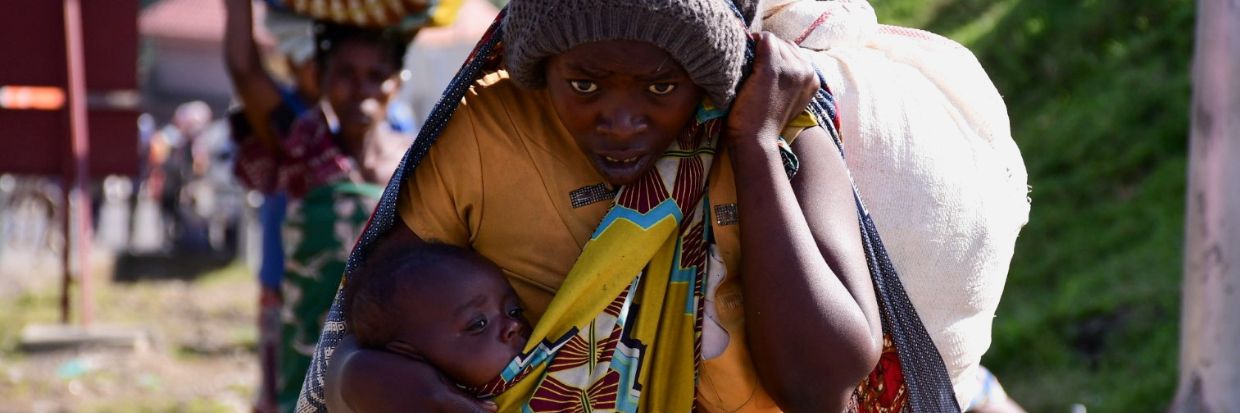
[407, 14]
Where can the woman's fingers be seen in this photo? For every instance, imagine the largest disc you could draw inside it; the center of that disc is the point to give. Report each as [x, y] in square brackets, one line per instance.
[451, 399]
[800, 70]
[781, 84]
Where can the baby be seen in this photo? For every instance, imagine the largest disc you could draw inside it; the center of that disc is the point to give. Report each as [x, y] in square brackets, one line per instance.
[441, 304]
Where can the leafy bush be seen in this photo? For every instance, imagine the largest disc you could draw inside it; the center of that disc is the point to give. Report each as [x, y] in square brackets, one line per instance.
[1098, 94]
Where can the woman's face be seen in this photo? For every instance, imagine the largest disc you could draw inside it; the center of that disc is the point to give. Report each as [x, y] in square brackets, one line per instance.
[623, 101]
[358, 82]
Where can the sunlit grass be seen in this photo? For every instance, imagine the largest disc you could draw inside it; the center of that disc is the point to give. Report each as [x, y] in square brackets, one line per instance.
[31, 307]
[195, 325]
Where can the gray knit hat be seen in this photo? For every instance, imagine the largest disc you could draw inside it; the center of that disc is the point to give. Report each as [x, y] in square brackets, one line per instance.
[703, 36]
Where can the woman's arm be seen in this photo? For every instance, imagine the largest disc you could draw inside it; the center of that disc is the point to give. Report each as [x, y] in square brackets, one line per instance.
[369, 381]
[366, 381]
[251, 82]
[811, 316]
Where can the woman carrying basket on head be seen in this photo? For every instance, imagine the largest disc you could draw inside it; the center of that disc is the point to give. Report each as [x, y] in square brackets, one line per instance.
[331, 161]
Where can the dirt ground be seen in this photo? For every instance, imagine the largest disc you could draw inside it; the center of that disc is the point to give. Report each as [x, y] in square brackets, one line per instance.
[200, 355]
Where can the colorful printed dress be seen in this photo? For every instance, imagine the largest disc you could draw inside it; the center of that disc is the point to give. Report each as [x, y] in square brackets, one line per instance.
[318, 234]
[329, 204]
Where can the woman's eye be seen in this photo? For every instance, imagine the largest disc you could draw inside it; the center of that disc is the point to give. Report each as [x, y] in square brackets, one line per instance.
[516, 312]
[662, 88]
[583, 86]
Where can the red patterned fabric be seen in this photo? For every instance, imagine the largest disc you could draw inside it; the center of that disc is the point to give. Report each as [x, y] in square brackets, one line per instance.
[310, 159]
[884, 390]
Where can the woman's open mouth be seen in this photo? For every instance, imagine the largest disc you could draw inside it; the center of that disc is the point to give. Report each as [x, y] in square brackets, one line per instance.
[621, 162]
[625, 160]
[622, 169]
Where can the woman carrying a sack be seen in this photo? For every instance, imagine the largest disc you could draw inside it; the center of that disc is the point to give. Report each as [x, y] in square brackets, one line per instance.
[614, 158]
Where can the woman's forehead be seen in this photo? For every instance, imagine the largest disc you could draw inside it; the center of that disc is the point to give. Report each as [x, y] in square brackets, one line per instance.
[619, 56]
[359, 55]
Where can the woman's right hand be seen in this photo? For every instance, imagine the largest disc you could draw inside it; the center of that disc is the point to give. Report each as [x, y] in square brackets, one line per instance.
[368, 381]
[777, 91]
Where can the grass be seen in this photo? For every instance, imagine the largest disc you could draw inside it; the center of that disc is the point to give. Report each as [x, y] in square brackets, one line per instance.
[1098, 94]
[184, 315]
[43, 306]
[38, 307]
[161, 406]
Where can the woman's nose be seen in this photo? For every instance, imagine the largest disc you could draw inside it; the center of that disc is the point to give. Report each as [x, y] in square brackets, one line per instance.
[622, 123]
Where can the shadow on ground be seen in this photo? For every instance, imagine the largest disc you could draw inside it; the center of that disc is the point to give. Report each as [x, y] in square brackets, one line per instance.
[131, 268]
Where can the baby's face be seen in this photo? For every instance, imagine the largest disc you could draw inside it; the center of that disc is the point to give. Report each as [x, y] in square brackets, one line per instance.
[467, 322]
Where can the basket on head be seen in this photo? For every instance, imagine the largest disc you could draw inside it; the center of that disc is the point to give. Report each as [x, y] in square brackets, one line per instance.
[406, 14]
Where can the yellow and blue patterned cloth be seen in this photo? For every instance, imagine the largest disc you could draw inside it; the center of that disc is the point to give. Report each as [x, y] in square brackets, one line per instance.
[628, 316]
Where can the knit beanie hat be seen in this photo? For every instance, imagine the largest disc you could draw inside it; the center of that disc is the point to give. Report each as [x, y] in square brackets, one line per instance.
[705, 37]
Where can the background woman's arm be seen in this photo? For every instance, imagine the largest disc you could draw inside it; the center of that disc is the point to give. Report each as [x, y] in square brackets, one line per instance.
[251, 82]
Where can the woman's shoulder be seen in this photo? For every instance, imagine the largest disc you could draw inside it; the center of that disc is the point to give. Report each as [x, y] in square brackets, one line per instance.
[498, 122]
[493, 81]
[496, 97]
[510, 119]
[498, 87]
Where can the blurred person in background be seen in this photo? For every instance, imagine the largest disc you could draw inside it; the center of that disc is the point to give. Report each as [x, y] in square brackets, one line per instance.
[212, 200]
[331, 163]
[171, 164]
[267, 109]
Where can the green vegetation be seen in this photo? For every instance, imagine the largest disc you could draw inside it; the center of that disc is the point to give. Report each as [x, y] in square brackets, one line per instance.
[25, 309]
[1098, 93]
[161, 406]
[203, 342]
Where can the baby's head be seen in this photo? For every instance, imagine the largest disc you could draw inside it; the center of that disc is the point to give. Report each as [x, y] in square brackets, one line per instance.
[442, 304]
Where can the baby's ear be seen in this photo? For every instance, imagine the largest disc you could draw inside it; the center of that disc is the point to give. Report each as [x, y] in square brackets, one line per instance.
[404, 349]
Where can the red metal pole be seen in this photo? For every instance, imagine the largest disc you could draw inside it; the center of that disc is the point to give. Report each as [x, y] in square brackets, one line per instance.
[77, 207]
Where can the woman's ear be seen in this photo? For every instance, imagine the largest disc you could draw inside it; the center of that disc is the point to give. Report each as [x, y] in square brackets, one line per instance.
[404, 349]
